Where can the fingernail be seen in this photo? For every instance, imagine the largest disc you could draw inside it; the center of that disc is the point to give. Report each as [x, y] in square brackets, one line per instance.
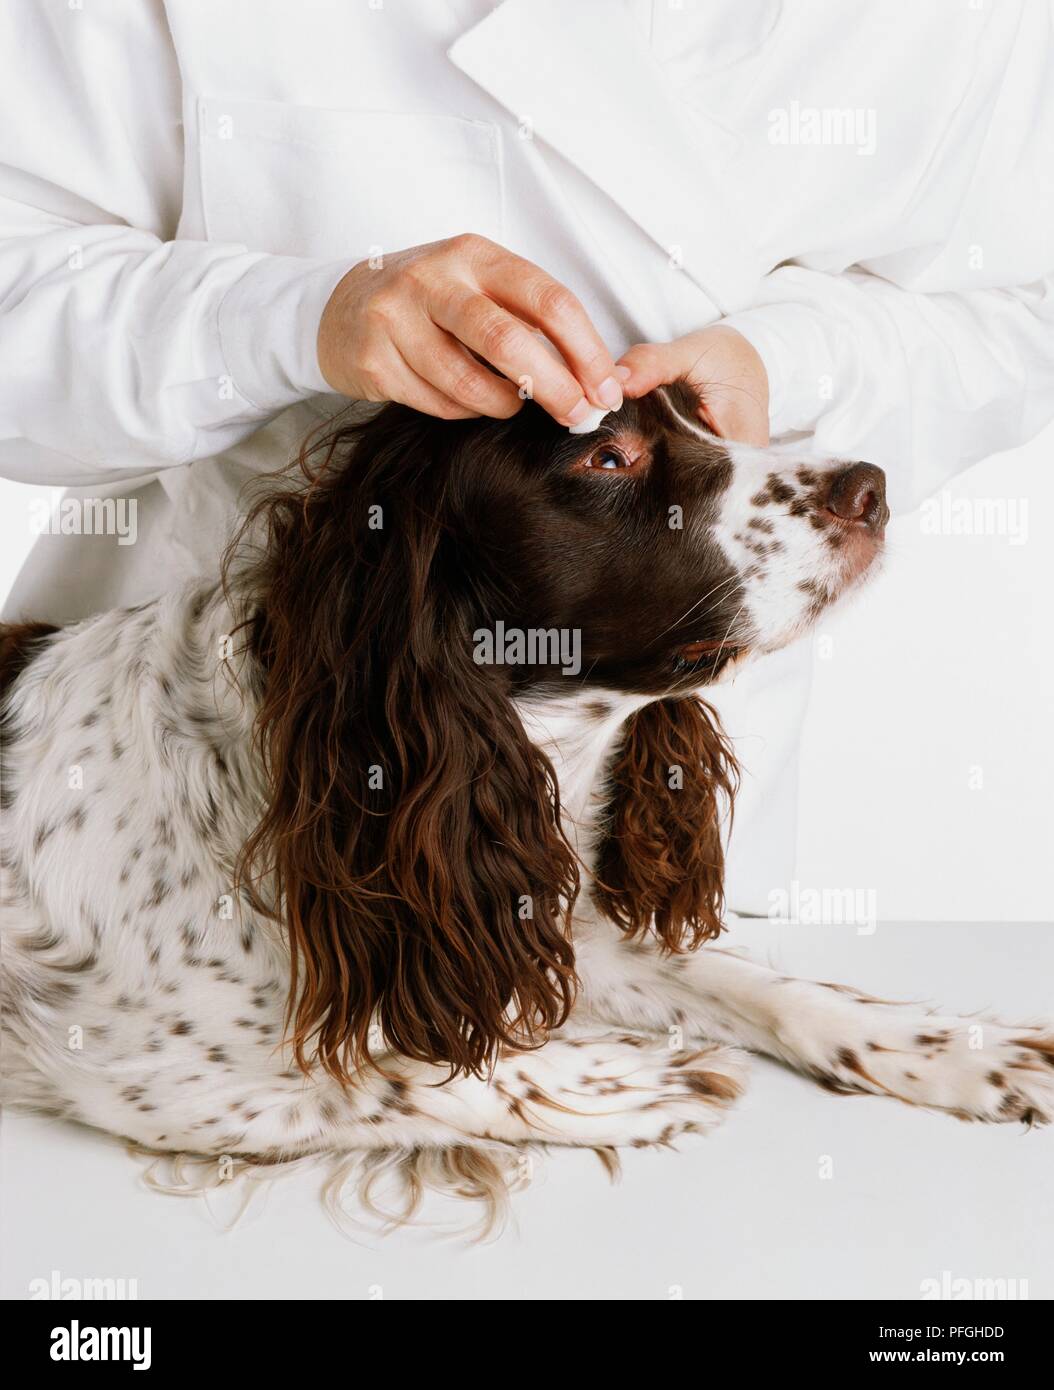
[581, 410]
[623, 373]
[609, 393]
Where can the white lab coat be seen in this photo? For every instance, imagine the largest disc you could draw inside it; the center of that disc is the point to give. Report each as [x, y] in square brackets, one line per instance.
[184, 182]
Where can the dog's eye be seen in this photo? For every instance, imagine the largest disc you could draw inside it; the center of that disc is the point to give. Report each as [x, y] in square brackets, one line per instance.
[608, 457]
[614, 454]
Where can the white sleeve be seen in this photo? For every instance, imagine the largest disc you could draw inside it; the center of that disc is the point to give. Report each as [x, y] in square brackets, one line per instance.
[123, 350]
[923, 384]
[931, 358]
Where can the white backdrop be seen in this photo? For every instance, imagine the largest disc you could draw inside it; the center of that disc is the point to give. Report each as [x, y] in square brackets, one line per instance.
[928, 757]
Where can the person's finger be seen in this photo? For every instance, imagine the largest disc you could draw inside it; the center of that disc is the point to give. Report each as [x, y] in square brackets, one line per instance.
[440, 359]
[650, 365]
[391, 378]
[731, 380]
[740, 418]
[421, 395]
[502, 340]
[697, 357]
[733, 401]
[549, 306]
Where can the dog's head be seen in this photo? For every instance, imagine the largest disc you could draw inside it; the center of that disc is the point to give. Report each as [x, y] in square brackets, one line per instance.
[424, 577]
[665, 552]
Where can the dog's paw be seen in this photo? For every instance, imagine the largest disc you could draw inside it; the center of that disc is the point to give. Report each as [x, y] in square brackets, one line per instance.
[972, 1068]
[986, 1071]
[619, 1091]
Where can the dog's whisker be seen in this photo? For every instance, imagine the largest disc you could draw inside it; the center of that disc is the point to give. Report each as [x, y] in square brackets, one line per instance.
[722, 584]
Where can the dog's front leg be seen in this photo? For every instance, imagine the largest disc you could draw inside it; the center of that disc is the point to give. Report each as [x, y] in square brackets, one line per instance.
[595, 1089]
[846, 1039]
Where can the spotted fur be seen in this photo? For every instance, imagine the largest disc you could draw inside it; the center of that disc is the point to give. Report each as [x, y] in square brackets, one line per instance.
[145, 993]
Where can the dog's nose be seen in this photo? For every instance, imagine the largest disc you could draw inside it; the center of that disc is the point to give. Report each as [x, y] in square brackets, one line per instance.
[858, 493]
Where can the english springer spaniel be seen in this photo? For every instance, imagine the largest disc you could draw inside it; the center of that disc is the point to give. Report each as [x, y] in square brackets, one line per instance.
[403, 839]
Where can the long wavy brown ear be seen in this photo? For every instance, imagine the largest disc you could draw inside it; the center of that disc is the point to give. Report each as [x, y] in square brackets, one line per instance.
[411, 839]
[661, 864]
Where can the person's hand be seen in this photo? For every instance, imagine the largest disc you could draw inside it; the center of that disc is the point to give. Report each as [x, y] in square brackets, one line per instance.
[722, 368]
[413, 330]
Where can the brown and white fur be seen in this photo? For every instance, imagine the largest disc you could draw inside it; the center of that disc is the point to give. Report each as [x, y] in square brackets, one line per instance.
[215, 942]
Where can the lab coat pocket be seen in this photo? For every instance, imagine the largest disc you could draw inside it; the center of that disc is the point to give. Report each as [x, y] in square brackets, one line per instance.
[308, 181]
